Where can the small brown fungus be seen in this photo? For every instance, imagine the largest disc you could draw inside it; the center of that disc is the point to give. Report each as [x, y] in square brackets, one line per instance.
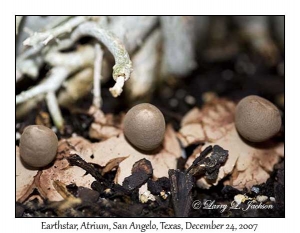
[38, 146]
[144, 126]
[257, 119]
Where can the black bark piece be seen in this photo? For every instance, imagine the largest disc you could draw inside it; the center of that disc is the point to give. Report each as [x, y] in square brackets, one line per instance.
[119, 190]
[154, 187]
[214, 162]
[141, 172]
[144, 166]
[164, 182]
[209, 166]
[97, 186]
[135, 181]
[76, 160]
[199, 159]
[181, 186]
[88, 195]
[161, 184]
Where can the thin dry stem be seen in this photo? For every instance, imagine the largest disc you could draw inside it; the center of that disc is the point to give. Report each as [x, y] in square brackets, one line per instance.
[54, 110]
[97, 101]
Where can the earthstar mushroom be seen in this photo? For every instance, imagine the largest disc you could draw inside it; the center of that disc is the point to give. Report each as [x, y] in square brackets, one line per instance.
[38, 146]
[257, 119]
[144, 126]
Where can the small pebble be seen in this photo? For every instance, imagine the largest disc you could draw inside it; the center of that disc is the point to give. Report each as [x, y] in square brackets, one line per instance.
[146, 196]
[272, 199]
[261, 198]
[164, 195]
[240, 198]
[255, 189]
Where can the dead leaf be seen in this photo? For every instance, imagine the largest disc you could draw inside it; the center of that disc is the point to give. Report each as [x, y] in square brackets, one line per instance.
[62, 172]
[80, 145]
[104, 126]
[24, 179]
[103, 132]
[207, 124]
[114, 163]
[248, 163]
[117, 147]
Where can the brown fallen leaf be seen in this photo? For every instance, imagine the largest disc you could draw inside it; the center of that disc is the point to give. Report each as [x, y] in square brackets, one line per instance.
[24, 179]
[116, 147]
[77, 144]
[104, 126]
[248, 163]
[103, 132]
[207, 124]
[62, 172]
[113, 163]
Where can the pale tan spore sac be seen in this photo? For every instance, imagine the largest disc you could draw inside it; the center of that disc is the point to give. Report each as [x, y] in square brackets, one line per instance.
[144, 126]
[38, 146]
[257, 119]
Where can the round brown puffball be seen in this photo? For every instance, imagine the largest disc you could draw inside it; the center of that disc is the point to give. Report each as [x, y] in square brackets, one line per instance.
[257, 119]
[144, 126]
[38, 146]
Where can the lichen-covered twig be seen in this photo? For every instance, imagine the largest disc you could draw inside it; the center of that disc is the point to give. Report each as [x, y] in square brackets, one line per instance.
[54, 110]
[29, 67]
[70, 63]
[52, 83]
[82, 57]
[117, 89]
[39, 40]
[64, 64]
[56, 22]
[123, 65]
[97, 100]
[28, 62]
[44, 37]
